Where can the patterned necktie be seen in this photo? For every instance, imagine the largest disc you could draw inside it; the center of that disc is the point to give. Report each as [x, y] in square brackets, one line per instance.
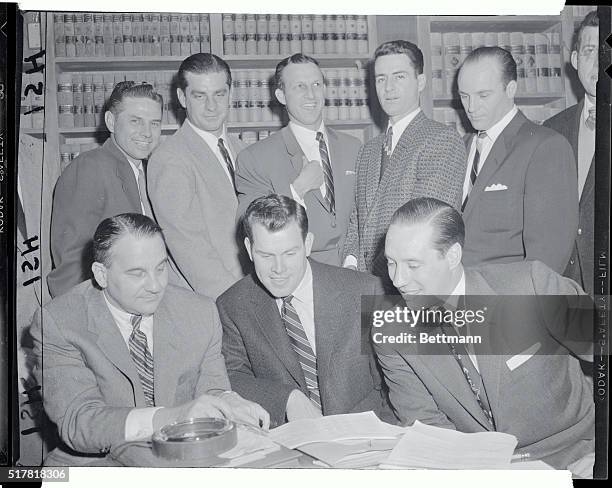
[142, 358]
[328, 176]
[387, 150]
[475, 169]
[142, 190]
[301, 346]
[590, 120]
[228, 160]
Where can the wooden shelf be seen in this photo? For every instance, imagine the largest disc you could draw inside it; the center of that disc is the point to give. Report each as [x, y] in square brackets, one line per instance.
[520, 99]
[270, 61]
[494, 23]
[38, 133]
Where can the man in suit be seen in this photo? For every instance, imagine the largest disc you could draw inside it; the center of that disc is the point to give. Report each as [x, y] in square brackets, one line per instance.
[191, 181]
[520, 199]
[577, 125]
[103, 182]
[123, 359]
[415, 157]
[542, 397]
[305, 160]
[291, 329]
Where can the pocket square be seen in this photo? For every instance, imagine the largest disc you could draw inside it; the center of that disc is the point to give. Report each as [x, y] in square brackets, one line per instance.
[348, 172]
[496, 187]
[515, 361]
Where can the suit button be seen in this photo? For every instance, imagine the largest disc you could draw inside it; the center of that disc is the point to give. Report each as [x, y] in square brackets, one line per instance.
[572, 261]
[579, 232]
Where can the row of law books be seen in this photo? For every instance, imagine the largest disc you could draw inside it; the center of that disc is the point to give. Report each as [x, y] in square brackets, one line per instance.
[109, 35]
[537, 56]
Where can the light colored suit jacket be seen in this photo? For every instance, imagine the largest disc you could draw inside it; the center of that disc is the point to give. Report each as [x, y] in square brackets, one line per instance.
[96, 185]
[581, 265]
[263, 366]
[428, 161]
[545, 402]
[89, 379]
[534, 213]
[194, 202]
[271, 165]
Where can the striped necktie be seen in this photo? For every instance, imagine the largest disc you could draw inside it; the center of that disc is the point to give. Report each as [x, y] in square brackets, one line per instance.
[590, 120]
[475, 169]
[387, 150]
[328, 176]
[301, 346]
[142, 190]
[228, 161]
[142, 358]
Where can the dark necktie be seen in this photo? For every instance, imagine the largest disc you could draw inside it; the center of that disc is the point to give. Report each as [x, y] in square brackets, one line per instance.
[474, 171]
[328, 176]
[590, 120]
[301, 345]
[228, 160]
[142, 190]
[142, 358]
[386, 151]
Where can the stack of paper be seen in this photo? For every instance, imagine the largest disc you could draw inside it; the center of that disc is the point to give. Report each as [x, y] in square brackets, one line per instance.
[346, 441]
[424, 446]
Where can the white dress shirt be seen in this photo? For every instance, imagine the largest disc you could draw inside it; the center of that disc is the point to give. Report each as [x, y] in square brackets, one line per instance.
[487, 143]
[586, 145]
[303, 303]
[307, 140]
[139, 422]
[213, 143]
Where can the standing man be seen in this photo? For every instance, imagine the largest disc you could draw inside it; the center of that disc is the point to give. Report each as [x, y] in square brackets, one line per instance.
[103, 182]
[414, 157]
[191, 181]
[306, 160]
[120, 360]
[291, 329]
[508, 382]
[577, 125]
[520, 199]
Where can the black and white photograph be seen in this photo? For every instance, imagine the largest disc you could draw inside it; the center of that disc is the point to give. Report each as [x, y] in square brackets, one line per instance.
[372, 245]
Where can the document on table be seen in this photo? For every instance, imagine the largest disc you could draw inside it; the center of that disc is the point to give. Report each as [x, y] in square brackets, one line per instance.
[425, 446]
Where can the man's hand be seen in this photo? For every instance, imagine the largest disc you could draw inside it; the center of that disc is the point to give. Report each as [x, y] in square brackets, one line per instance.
[300, 407]
[310, 178]
[242, 410]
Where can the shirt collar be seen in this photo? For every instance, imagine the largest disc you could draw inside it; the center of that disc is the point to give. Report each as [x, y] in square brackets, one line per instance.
[120, 316]
[303, 292]
[452, 300]
[587, 105]
[303, 133]
[209, 137]
[400, 126]
[494, 131]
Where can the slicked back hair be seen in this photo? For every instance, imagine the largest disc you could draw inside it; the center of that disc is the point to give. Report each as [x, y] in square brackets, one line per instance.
[202, 63]
[131, 89]
[274, 212]
[297, 58]
[505, 61]
[402, 47]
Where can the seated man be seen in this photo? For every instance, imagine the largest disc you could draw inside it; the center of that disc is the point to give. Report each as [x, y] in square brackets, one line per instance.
[291, 329]
[542, 399]
[123, 359]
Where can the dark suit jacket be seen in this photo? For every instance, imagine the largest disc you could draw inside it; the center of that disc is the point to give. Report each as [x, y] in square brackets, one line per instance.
[536, 216]
[428, 161]
[263, 366]
[545, 402]
[194, 202]
[271, 165]
[580, 267]
[90, 383]
[96, 185]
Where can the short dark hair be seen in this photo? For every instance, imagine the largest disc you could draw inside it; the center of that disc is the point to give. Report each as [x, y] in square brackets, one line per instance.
[113, 228]
[274, 212]
[202, 63]
[446, 221]
[402, 47]
[297, 58]
[504, 58]
[125, 89]
[590, 20]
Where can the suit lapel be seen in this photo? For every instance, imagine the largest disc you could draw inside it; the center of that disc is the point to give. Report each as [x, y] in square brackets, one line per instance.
[110, 341]
[269, 321]
[124, 172]
[575, 123]
[166, 355]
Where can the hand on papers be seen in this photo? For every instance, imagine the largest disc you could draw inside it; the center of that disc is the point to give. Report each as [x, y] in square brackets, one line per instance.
[310, 178]
[300, 407]
[246, 411]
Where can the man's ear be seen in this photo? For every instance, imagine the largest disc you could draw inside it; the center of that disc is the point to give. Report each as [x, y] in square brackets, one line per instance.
[280, 96]
[99, 272]
[109, 120]
[574, 59]
[453, 255]
[421, 82]
[511, 88]
[247, 245]
[308, 242]
[180, 94]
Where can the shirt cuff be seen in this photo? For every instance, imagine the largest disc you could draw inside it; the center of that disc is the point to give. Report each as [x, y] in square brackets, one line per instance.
[350, 260]
[294, 195]
[139, 423]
